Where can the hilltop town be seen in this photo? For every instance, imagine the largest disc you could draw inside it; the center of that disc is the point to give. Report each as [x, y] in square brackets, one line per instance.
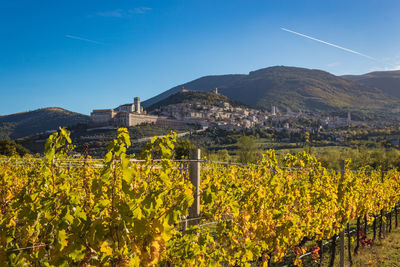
[211, 109]
[214, 121]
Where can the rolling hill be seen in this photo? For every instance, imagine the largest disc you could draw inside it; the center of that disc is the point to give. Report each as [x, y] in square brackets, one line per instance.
[285, 87]
[387, 81]
[28, 123]
[208, 98]
[204, 84]
[291, 87]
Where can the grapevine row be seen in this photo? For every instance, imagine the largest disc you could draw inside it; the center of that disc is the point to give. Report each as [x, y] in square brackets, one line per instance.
[127, 212]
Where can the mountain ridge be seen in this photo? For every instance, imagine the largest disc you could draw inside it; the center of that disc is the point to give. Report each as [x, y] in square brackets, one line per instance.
[26, 123]
[290, 87]
[387, 81]
[286, 87]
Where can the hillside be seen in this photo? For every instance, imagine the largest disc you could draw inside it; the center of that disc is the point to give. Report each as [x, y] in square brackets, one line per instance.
[299, 88]
[27, 123]
[294, 88]
[204, 84]
[208, 98]
[387, 81]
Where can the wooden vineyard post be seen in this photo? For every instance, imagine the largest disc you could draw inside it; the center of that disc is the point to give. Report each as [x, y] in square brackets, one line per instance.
[365, 225]
[194, 174]
[374, 229]
[349, 244]
[342, 250]
[381, 226]
[381, 230]
[320, 252]
[333, 251]
[358, 236]
[341, 235]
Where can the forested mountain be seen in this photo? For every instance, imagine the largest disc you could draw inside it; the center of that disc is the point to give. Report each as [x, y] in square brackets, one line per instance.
[387, 81]
[291, 87]
[27, 123]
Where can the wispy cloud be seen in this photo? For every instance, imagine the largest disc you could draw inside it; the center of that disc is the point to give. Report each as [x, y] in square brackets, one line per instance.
[392, 63]
[379, 68]
[333, 64]
[140, 10]
[393, 68]
[324, 42]
[121, 13]
[117, 13]
[83, 39]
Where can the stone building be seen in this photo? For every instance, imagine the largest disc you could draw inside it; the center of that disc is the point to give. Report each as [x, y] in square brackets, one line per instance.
[130, 115]
[102, 116]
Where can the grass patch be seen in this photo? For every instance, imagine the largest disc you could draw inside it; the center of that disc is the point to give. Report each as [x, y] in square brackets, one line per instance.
[384, 253]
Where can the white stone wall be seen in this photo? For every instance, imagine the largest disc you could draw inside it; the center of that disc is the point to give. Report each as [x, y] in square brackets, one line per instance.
[135, 119]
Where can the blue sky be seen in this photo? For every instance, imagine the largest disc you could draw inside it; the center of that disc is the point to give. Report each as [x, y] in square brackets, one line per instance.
[82, 55]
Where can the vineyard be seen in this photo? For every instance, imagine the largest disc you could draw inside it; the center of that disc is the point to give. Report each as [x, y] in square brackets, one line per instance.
[127, 210]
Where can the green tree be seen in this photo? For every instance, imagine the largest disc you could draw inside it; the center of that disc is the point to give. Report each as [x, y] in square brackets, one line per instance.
[10, 148]
[182, 148]
[248, 149]
[4, 136]
[221, 155]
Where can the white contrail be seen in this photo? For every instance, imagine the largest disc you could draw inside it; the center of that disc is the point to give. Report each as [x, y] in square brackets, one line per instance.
[337, 46]
[83, 39]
